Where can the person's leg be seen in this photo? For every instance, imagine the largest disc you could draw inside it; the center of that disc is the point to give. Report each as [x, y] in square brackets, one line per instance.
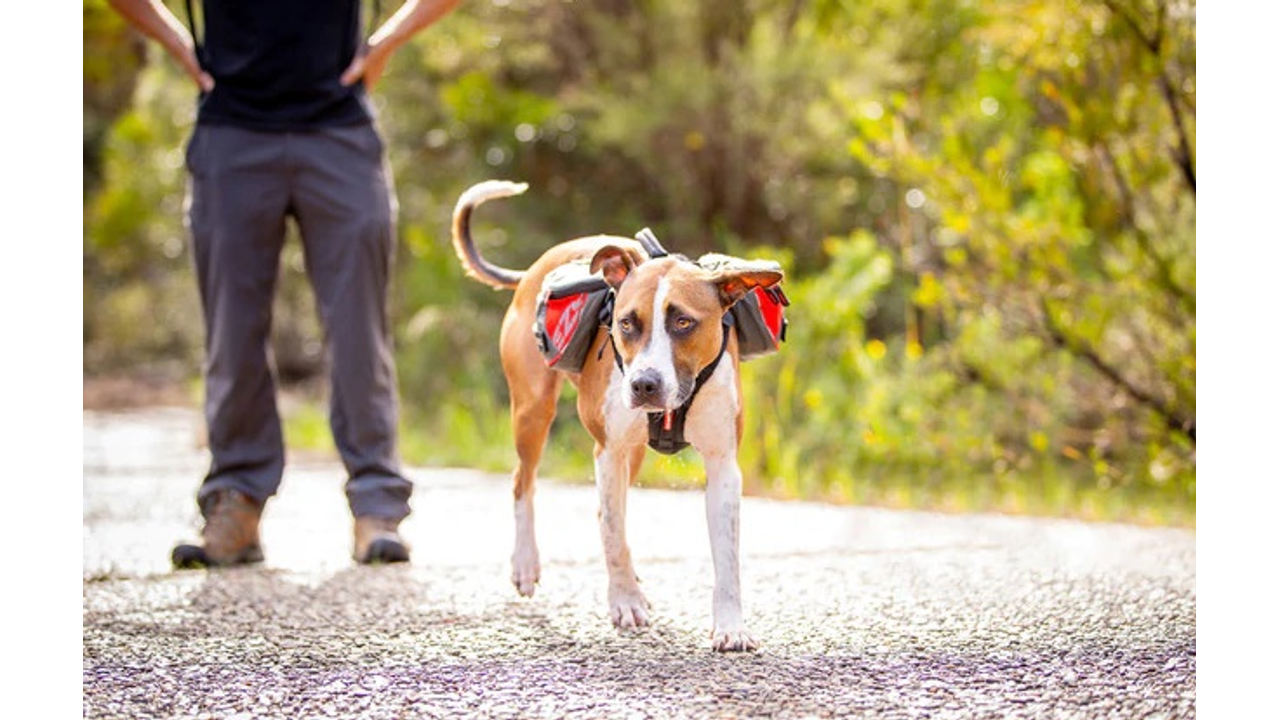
[237, 198]
[345, 205]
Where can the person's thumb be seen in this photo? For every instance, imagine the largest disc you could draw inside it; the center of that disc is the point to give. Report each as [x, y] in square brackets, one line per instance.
[192, 65]
[353, 72]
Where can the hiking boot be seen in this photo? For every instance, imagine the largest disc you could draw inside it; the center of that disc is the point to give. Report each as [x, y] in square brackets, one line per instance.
[378, 541]
[230, 533]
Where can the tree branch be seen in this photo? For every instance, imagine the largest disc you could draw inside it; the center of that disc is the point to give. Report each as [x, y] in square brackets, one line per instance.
[1172, 419]
[1129, 214]
[1182, 156]
[1154, 44]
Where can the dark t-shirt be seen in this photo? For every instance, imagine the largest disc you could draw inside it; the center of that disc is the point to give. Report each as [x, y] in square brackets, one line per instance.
[276, 64]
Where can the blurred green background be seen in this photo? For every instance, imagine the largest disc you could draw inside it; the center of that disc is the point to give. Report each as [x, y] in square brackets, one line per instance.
[986, 211]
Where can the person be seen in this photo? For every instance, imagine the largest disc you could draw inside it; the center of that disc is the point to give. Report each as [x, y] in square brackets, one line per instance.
[284, 127]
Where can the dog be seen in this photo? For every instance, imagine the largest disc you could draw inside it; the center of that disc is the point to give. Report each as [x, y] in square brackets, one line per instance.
[667, 345]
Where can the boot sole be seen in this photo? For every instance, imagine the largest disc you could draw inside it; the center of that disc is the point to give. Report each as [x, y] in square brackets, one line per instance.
[385, 550]
[194, 557]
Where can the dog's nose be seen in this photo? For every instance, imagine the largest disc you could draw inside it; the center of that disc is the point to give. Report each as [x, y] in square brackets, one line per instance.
[646, 387]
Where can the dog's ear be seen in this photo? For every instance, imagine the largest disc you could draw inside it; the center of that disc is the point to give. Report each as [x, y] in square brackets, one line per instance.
[734, 277]
[615, 263]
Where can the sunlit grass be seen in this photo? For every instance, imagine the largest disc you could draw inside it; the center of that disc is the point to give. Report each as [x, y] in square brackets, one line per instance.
[306, 429]
[459, 436]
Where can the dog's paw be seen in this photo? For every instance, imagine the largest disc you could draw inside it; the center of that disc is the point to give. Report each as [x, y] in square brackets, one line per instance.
[526, 571]
[738, 640]
[629, 609]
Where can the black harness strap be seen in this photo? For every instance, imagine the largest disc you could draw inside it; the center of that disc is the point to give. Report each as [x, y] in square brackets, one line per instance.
[195, 36]
[373, 25]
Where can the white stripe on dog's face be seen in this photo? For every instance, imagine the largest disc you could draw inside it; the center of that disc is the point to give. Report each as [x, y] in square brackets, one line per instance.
[666, 328]
[657, 357]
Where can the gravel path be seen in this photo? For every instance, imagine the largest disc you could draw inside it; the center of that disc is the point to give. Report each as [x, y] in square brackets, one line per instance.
[860, 612]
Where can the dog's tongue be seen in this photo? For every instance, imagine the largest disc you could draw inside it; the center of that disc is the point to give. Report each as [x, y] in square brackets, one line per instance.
[667, 419]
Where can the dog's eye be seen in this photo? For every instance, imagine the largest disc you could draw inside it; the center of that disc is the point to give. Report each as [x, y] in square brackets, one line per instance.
[626, 325]
[684, 323]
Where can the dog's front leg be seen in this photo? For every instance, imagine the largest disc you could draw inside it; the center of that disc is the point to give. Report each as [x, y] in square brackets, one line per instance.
[724, 500]
[627, 604]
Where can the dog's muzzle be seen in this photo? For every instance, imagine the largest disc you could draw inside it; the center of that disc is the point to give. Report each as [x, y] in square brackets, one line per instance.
[648, 390]
[652, 393]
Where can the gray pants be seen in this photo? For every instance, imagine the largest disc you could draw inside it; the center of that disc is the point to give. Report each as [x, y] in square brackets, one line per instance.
[242, 186]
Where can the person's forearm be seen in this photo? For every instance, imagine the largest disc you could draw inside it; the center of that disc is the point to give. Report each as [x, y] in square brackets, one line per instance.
[155, 21]
[412, 17]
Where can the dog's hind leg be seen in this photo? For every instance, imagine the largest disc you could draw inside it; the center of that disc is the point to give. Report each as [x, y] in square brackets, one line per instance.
[531, 427]
[628, 606]
[534, 391]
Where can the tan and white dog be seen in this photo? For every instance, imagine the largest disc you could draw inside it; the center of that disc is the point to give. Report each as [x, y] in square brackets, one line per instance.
[667, 328]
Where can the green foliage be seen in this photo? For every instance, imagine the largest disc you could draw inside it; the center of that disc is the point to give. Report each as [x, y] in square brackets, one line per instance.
[986, 212]
[112, 59]
[139, 295]
[1055, 202]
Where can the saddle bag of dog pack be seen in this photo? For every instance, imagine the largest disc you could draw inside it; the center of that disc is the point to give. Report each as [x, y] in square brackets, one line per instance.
[571, 309]
[761, 321]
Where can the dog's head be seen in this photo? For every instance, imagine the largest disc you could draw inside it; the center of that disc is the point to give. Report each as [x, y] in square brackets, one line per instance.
[667, 317]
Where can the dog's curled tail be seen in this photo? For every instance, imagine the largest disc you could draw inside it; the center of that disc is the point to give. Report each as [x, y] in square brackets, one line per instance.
[473, 263]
